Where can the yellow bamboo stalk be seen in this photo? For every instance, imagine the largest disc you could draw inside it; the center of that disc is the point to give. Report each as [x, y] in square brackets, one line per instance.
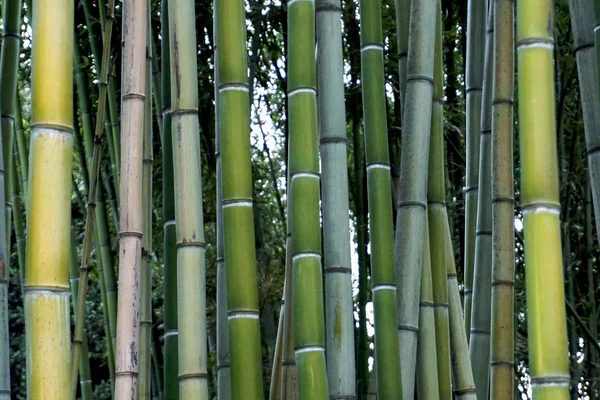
[47, 317]
[547, 327]
[135, 21]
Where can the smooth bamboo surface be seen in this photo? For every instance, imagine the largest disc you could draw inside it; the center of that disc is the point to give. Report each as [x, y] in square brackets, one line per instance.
[237, 203]
[47, 316]
[339, 311]
[379, 188]
[476, 26]
[135, 21]
[548, 355]
[307, 302]
[171, 382]
[502, 358]
[479, 345]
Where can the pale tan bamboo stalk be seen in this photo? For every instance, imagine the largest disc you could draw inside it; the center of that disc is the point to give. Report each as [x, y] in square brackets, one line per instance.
[135, 21]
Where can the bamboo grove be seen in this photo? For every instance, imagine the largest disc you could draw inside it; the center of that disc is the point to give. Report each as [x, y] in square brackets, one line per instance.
[299, 199]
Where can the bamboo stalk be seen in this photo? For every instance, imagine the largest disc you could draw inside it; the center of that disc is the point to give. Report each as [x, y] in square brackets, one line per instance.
[289, 375]
[85, 378]
[47, 322]
[428, 386]
[191, 275]
[9, 72]
[502, 376]
[275, 388]
[548, 356]
[412, 200]
[130, 230]
[308, 313]
[336, 237]
[383, 276]
[463, 383]
[223, 366]
[171, 337]
[479, 345]
[476, 25]
[145, 374]
[437, 216]
[18, 214]
[21, 147]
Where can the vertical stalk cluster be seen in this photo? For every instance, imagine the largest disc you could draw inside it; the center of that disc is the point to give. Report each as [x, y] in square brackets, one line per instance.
[476, 17]
[236, 202]
[412, 199]
[94, 167]
[133, 90]
[502, 374]
[547, 331]
[171, 384]
[379, 187]
[307, 314]
[479, 346]
[47, 317]
[437, 217]
[336, 236]
[191, 273]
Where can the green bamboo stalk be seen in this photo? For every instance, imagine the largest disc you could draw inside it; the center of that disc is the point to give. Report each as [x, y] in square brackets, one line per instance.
[502, 375]
[479, 345]
[157, 361]
[236, 203]
[275, 388]
[171, 383]
[289, 374]
[412, 200]
[21, 146]
[463, 383]
[307, 314]
[380, 203]
[437, 216]
[135, 24]
[223, 366]
[402, 28]
[47, 317]
[361, 236]
[157, 89]
[9, 72]
[336, 237]
[18, 214]
[548, 356]
[145, 355]
[428, 386]
[592, 136]
[85, 377]
[191, 275]
[476, 26]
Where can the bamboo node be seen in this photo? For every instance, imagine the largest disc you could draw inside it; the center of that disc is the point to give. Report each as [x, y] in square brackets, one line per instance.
[378, 165]
[416, 204]
[296, 91]
[422, 78]
[190, 243]
[535, 42]
[328, 7]
[408, 328]
[309, 349]
[306, 255]
[333, 140]
[246, 314]
[237, 203]
[558, 380]
[339, 270]
[289, 3]
[385, 286]
[193, 375]
[371, 46]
